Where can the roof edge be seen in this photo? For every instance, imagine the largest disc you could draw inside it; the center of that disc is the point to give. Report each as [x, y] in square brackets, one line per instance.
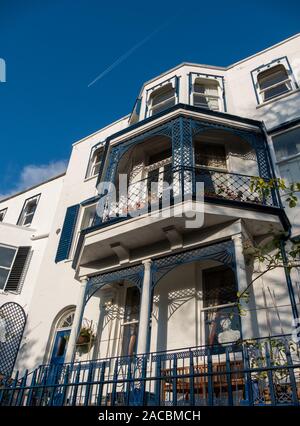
[32, 187]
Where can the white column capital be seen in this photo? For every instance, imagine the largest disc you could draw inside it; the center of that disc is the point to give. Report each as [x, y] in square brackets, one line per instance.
[237, 237]
[84, 280]
[147, 263]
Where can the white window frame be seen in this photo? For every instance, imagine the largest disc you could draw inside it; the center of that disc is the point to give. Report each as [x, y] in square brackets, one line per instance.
[203, 81]
[3, 212]
[193, 77]
[24, 214]
[290, 80]
[124, 322]
[92, 164]
[289, 157]
[3, 289]
[79, 228]
[151, 94]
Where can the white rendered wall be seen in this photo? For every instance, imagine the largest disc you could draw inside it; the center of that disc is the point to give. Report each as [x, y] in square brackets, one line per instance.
[13, 235]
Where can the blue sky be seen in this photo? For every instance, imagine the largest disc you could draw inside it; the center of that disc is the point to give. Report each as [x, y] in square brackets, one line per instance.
[55, 49]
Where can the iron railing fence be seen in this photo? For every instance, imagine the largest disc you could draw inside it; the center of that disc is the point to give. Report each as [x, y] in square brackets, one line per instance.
[257, 372]
[162, 188]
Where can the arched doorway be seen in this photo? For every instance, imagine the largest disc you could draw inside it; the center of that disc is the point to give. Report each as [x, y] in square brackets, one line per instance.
[61, 335]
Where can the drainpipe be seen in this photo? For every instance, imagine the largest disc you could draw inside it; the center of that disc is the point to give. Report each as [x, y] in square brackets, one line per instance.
[288, 278]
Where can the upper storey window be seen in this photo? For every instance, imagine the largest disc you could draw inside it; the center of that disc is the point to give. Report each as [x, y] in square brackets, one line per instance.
[273, 80]
[95, 161]
[2, 214]
[162, 98]
[28, 211]
[207, 94]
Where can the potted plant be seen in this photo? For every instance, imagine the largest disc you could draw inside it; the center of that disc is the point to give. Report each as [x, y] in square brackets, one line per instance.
[86, 337]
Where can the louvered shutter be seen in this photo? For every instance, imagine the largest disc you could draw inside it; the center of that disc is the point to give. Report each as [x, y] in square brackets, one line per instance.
[18, 269]
[66, 236]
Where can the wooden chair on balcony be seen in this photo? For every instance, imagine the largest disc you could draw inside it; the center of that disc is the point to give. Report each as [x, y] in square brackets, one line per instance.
[220, 380]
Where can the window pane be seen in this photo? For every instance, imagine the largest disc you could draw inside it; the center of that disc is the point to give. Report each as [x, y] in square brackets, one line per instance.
[272, 76]
[6, 256]
[28, 218]
[210, 155]
[287, 144]
[160, 107]
[132, 306]
[219, 287]
[160, 156]
[88, 217]
[276, 91]
[201, 101]
[290, 170]
[207, 89]
[3, 277]
[162, 94]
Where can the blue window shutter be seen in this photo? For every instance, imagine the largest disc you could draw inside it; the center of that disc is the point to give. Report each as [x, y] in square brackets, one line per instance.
[66, 236]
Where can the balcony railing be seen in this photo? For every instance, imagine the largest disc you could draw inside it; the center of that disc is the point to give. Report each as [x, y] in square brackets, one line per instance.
[263, 371]
[152, 192]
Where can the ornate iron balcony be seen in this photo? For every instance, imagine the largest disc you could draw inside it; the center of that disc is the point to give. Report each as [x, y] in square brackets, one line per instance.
[153, 192]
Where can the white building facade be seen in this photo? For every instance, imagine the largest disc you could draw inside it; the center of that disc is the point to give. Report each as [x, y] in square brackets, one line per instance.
[123, 306]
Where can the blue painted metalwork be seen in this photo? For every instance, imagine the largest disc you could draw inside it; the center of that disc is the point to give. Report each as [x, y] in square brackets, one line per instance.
[222, 252]
[60, 346]
[253, 372]
[13, 321]
[66, 235]
[134, 274]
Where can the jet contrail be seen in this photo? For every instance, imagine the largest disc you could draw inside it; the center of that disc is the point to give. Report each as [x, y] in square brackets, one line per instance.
[128, 53]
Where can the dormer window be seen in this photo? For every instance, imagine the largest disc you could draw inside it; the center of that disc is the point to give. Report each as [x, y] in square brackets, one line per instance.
[95, 161]
[162, 98]
[206, 94]
[273, 82]
[28, 211]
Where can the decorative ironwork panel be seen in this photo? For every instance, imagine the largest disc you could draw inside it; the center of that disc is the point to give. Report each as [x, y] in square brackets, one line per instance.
[256, 140]
[12, 323]
[133, 274]
[182, 142]
[119, 150]
[222, 252]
